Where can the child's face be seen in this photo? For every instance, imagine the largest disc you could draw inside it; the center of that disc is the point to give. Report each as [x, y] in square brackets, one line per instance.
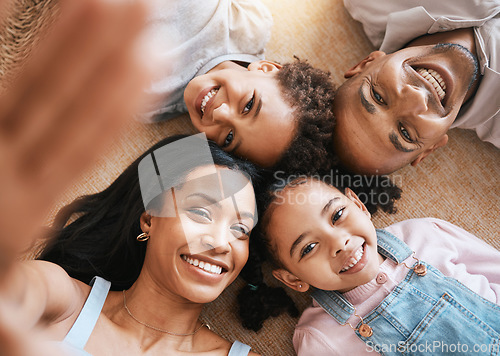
[243, 111]
[323, 238]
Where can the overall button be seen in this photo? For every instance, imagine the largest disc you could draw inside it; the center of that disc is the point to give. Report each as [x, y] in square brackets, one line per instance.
[365, 330]
[381, 278]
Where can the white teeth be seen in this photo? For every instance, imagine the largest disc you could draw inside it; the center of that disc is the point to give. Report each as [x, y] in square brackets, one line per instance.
[206, 98]
[203, 265]
[354, 260]
[435, 79]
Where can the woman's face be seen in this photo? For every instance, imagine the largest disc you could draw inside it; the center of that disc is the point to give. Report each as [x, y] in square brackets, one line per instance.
[202, 248]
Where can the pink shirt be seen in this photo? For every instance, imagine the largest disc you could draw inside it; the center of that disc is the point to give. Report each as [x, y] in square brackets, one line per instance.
[452, 250]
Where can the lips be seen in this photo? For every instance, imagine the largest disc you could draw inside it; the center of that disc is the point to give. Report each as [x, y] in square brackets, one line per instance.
[209, 267]
[207, 98]
[353, 260]
[435, 80]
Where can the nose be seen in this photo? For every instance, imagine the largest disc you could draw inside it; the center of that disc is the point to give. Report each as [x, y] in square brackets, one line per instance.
[413, 101]
[339, 243]
[222, 114]
[221, 118]
[217, 241]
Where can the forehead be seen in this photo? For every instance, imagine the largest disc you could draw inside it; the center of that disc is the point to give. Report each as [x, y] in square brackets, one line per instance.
[267, 140]
[219, 183]
[307, 198]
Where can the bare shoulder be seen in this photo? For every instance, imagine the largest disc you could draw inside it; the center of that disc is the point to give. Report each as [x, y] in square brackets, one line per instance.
[216, 345]
[63, 295]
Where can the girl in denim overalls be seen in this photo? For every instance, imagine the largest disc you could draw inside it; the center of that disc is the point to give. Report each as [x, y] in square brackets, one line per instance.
[373, 292]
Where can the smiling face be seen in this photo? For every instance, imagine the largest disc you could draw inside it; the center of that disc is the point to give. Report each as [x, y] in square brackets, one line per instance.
[201, 250]
[323, 238]
[242, 110]
[396, 109]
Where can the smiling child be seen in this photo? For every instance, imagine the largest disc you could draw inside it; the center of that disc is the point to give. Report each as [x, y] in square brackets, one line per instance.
[418, 282]
[212, 66]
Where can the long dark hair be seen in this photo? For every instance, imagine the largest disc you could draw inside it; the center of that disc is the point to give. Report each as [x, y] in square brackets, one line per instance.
[101, 241]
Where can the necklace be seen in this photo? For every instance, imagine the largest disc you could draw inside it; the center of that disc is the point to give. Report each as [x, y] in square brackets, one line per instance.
[155, 328]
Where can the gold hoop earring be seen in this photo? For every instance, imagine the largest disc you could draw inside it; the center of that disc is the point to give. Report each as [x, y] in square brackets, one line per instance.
[143, 237]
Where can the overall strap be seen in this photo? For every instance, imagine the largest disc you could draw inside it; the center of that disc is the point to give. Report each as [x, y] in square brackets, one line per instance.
[85, 323]
[392, 247]
[239, 349]
[335, 304]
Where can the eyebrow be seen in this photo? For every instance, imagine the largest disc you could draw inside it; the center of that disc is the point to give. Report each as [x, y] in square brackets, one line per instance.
[259, 106]
[299, 239]
[241, 214]
[297, 242]
[328, 205]
[206, 197]
[393, 137]
[366, 104]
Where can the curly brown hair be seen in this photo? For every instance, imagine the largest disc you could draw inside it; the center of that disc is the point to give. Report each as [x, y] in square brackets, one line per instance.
[310, 92]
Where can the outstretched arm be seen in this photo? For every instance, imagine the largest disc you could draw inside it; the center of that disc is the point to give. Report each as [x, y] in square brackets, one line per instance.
[68, 103]
[74, 94]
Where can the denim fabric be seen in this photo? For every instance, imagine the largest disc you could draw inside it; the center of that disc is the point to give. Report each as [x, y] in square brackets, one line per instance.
[423, 315]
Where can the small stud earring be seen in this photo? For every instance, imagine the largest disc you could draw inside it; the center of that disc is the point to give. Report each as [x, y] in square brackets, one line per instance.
[300, 286]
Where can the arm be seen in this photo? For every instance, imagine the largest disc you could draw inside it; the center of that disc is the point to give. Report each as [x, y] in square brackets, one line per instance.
[71, 99]
[42, 293]
[34, 296]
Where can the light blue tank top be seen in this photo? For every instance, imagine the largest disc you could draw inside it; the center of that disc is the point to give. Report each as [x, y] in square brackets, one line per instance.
[77, 337]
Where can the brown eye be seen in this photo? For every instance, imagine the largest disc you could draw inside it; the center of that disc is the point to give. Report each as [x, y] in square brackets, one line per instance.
[378, 98]
[229, 139]
[248, 107]
[405, 134]
[200, 214]
[308, 249]
[240, 231]
[337, 215]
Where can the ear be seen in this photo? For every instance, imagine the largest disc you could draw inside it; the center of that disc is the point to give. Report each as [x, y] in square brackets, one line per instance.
[354, 198]
[264, 66]
[358, 68]
[290, 280]
[442, 141]
[145, 221]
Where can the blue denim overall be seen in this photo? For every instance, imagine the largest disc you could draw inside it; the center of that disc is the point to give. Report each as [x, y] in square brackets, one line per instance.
[424, 315]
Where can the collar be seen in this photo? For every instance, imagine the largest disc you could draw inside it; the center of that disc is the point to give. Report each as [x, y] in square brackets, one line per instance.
[335, 304]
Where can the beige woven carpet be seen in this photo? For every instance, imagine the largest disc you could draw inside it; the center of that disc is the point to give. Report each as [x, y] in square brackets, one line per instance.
[459, 183]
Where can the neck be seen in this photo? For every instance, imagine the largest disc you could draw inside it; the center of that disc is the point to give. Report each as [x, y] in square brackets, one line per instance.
[463, 37]
[159, 308]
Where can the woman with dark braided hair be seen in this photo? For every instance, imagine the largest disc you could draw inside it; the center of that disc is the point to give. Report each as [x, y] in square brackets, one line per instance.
[168, 236]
